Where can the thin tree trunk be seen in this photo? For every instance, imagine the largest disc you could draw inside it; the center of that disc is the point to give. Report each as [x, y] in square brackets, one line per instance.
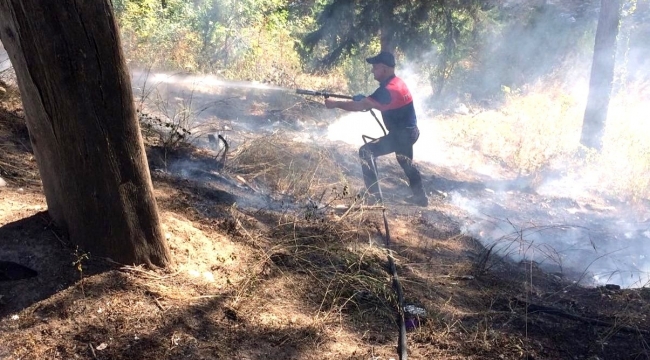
[445, 58]
[386, 38]
[79, 107]
[602, 74]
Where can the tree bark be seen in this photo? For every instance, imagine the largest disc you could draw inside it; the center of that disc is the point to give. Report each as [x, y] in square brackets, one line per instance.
[386, 38]
[602, 74]
[78, 103]
[443, 71]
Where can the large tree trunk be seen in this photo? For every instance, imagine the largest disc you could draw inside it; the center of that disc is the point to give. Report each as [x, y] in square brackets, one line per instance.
[602, 74]
[78, 102]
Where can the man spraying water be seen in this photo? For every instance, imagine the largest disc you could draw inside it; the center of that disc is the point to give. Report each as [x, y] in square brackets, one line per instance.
[393, 99]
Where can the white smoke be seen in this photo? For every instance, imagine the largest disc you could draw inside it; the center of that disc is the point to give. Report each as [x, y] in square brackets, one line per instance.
[566, 225]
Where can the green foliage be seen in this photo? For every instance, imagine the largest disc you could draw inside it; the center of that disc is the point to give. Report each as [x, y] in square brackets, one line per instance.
[526, 46]
[468, 50]
[159, 31]
[359, 77]
[80, 256]
[445, 32]
[243, 39]
[633, 38]
[527, 134]
[462, 47]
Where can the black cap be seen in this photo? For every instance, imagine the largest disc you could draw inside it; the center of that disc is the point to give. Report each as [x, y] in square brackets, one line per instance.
[383, 57]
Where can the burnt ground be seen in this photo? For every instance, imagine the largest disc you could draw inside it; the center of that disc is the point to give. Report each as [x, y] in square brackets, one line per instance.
[267, 268]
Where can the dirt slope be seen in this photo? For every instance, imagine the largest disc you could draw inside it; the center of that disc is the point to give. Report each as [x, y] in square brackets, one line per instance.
[267, 268]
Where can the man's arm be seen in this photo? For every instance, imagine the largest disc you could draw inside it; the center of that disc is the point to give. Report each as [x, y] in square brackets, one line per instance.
[362, 105]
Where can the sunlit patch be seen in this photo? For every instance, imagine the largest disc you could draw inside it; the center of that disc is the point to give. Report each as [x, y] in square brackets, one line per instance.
[205, 275]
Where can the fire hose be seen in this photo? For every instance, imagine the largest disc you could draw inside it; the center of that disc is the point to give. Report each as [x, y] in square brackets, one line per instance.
[392, 269]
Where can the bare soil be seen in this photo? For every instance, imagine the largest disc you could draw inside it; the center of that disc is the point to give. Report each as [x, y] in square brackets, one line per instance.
[262, 273]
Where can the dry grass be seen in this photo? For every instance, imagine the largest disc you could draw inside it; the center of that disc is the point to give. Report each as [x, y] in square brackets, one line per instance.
[539, 131]
[526, 133]
[346, 272]
[302, 282]
[287, 167]
[9, 93]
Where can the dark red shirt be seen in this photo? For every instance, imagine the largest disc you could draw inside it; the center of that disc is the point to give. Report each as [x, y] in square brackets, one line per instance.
[395, 102]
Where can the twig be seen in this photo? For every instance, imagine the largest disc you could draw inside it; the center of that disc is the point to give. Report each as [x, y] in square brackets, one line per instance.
[92, 350]
[58, 238]
[48, 225]
[159, 304]
[243, 181]
[456, 277]
[248, 234]
[208, 296]
[347, 208]
[148, 274]
[360, 207]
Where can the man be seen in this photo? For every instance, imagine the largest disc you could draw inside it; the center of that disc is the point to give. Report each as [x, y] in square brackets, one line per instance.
[394, 100]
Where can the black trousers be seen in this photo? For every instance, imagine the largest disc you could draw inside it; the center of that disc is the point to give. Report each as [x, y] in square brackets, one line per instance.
[399, 142]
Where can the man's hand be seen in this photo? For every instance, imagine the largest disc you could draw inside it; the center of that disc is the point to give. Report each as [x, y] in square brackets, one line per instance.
[330, 104]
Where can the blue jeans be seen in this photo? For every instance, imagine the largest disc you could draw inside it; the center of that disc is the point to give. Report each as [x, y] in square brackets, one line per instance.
[399, 142]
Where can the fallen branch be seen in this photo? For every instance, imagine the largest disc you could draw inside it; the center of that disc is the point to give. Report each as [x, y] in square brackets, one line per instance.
[534, 308]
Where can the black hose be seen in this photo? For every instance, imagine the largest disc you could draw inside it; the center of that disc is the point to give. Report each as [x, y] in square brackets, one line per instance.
[378, 122]
[402, 348]
[397, 287]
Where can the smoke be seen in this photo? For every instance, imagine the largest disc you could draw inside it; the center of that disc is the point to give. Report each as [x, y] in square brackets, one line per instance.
[429, 147]
[148, 83]
[206, 104]
[582, 214]
[564, 223]
[349, 128]
[590, 243]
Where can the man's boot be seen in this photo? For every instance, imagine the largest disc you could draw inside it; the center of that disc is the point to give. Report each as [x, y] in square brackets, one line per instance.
[420, 199]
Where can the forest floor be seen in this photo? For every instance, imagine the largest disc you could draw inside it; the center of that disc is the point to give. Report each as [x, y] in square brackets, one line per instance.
[270, 264]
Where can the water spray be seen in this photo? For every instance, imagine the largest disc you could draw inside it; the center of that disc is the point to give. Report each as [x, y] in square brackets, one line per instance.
[329, 95]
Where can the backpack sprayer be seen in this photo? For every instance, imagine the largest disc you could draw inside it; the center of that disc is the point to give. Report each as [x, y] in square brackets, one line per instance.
[392, 269]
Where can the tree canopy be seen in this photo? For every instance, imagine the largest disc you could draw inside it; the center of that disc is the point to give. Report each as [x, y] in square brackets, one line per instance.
[345, 26]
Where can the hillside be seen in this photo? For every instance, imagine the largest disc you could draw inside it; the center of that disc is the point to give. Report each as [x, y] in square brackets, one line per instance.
[268, 266]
